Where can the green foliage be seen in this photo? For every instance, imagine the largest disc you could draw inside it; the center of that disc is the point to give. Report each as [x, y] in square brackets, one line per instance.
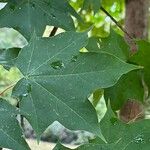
[114, 44]
[119, 135]
[142, 58]
[94, 5]
[128, 87]
[10, 132]
[60, 72]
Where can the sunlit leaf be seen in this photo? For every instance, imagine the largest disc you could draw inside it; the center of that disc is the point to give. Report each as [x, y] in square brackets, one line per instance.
[92, 5]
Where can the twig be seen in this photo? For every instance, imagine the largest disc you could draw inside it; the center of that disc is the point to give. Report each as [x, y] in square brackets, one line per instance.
[11, 86]
[115, 21]
[22, 121]
[53, 32]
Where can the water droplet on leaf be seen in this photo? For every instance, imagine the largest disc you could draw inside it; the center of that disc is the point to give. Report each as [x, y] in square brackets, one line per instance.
[57, 65]
[25, 95]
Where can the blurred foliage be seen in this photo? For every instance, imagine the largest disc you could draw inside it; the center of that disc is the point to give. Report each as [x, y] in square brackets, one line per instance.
[8, 79]
[100, 20]
[11, 38]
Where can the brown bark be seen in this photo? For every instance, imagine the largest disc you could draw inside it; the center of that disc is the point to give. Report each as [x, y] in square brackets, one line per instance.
[132, 110]
[136, 23]
[136, 18]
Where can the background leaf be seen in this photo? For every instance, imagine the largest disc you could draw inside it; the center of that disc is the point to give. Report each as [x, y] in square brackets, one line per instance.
[114, 44]
[142, 58]
[8, 57]
[10, 132]
[128, 87]
[94, 5]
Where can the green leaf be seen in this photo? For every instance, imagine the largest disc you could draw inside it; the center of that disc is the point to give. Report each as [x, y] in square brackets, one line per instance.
[120, 136]
[34, 15]
[93, 44]
[110, 125]
[128, 87]
[8, 57]
[94, 5]
[113, 44]
[57, 81]
[125, 136]
[10, 132]
[142, 58]
[136, 136]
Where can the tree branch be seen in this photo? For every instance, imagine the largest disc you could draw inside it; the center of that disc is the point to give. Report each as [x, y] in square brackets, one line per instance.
[11, 86]
[53, 32]
[115, 21]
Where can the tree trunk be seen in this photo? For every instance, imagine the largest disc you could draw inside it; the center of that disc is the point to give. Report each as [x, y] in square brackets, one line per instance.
[136, 18]
[136, 23]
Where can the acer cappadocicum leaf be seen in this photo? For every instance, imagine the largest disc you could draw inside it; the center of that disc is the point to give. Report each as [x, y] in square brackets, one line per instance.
[57, 80]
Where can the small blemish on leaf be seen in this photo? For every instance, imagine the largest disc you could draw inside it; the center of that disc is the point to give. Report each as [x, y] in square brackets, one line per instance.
[57, 64]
